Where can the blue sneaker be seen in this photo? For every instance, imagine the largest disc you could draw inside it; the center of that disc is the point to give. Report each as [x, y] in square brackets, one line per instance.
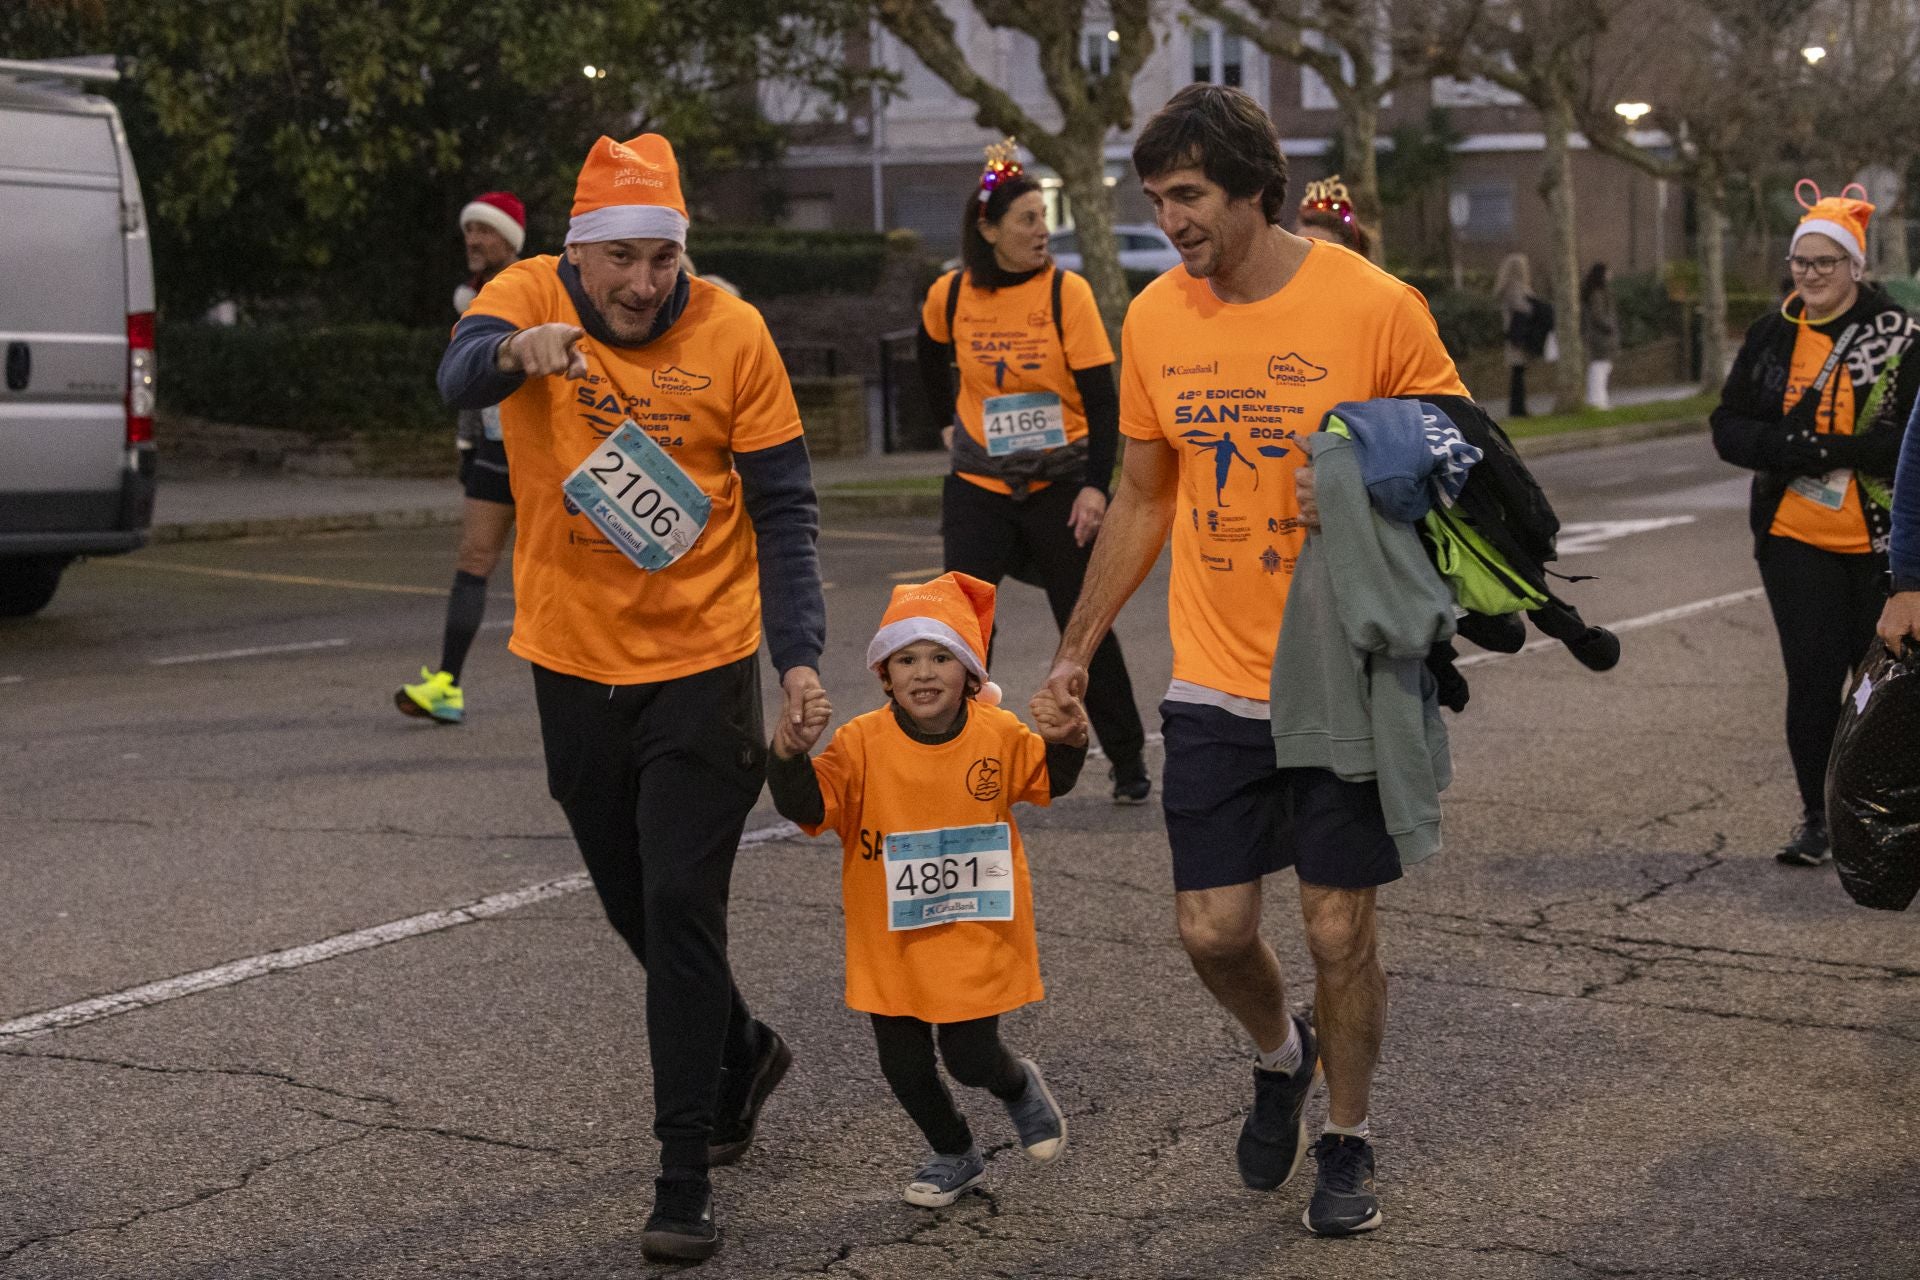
[1273, 1141]
[944, 1179]
[1343, 1201]
[1041, 1123]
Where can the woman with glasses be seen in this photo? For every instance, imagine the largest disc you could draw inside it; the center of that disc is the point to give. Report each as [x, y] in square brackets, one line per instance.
[1815, 406]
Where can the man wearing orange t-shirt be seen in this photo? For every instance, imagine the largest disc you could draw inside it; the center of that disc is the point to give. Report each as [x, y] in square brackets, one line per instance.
[1227, 362]
[664, 495]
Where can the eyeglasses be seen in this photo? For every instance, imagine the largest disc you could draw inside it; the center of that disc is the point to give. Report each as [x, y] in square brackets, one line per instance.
[1814, 266]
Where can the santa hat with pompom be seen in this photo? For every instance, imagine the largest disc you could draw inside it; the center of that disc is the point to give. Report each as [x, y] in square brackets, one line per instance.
[954, 611]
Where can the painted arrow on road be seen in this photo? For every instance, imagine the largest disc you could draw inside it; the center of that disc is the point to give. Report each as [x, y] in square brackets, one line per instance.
[1591, 535]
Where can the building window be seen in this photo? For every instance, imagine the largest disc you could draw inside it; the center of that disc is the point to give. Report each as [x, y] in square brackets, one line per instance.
[809, 213]
[1096, 48]
[1489, 211]
[1218, 56]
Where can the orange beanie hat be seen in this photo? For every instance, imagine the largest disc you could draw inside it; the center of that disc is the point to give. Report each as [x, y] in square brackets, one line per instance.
[1842, 218]
[954, 610]
[629, 191]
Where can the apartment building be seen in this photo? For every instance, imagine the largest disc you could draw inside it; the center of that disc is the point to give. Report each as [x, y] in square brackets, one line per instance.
[908, 161]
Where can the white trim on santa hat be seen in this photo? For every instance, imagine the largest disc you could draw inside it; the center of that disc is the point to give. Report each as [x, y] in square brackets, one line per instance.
[488, 215]
[628, 222]
[1832, 231]
[896, 636]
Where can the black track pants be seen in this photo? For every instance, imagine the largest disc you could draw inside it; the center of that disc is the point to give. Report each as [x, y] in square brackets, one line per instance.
[1825, 606]
[656, 781]
[990, 535]
[974, 1056]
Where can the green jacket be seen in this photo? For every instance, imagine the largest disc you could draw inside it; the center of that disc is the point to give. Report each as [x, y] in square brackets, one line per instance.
[1351, 692]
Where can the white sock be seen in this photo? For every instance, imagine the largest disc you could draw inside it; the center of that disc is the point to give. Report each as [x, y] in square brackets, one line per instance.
[1285, 1059]
[1360, 1131]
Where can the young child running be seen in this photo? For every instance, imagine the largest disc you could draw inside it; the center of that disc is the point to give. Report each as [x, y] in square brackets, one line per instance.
[939, 912]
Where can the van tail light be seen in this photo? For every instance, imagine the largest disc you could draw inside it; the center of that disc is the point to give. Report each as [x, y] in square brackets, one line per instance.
[141, 384]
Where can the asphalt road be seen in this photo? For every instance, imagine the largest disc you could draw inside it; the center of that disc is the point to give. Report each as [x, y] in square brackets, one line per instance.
[1623, 1041]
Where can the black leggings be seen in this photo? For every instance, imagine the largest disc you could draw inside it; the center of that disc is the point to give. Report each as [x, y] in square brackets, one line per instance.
[1825, 606]
[656, 781]
[974, 1056]
[991, 535]
[1516, 391]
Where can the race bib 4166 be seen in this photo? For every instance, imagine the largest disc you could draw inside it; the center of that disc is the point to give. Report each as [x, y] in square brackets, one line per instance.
[1032, 421]
[639, 498]
[952, 873]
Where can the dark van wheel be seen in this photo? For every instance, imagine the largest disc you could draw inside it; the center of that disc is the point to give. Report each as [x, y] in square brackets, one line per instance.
[27, 583]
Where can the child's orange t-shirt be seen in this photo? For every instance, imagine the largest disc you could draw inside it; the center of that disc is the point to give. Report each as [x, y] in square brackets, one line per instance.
[877, 781]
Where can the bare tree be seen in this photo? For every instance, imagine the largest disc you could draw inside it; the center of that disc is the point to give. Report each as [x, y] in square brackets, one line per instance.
[1092, 102]
[1540, 50]
[1724, 80]
[1363, 50]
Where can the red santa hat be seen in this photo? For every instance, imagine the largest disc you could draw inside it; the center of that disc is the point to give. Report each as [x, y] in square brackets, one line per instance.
[1842, 218]
[954, 611]
[500, 210]
[629, 191]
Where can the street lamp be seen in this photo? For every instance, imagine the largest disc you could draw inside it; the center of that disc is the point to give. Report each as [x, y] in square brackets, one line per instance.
[1813, 53]
[1631, 111]
[592, 72]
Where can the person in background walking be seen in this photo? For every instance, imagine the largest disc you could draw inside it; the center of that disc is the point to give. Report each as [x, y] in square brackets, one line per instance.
[1599, 332]
[494, 227]
[1816, 406]
[1513, 290]
[1034, 426]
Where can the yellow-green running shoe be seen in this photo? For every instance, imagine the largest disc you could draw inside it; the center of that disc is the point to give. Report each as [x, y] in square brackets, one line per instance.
[436, 697]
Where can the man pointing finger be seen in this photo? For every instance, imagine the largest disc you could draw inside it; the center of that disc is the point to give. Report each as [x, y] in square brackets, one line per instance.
[664, 498]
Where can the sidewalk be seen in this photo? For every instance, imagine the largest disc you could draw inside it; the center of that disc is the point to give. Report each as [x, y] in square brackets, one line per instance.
[264, 503]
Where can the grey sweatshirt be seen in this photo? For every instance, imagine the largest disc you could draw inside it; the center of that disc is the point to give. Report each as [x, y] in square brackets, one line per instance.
[1351, 691]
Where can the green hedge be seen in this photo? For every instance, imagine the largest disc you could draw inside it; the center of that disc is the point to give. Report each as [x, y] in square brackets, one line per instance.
[773, 263]
[1468, 320]
[327, 381]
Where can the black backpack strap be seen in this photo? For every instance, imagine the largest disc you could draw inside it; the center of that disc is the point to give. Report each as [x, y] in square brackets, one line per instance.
[953, 340]
[1059, 326]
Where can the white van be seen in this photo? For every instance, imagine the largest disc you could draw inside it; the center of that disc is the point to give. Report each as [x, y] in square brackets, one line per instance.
[76, 331]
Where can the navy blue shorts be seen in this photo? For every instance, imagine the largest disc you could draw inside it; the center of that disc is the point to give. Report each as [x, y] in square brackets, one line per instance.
[1234, 816]
[483, 472]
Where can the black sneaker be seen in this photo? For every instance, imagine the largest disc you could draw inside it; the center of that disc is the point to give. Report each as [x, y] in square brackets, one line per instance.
[1130, 782]
[680, 1228]
[1810, 846]
[1273, 1141]
[742, 1093]
[1343, 1202]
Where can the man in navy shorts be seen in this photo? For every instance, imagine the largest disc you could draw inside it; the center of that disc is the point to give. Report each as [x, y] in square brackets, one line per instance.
[1266, 331]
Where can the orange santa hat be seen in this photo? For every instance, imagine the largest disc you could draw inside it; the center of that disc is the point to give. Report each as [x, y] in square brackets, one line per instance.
[954, 610]
[629, 191]
[1842, 218]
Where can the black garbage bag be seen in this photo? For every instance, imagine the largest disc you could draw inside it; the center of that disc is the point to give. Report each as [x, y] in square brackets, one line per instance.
[1873, 783]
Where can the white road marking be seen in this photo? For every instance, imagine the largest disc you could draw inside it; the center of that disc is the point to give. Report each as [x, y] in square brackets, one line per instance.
[1591, 535]
[11, 679]
[343, 944]
[254, 652]
[1630, 624]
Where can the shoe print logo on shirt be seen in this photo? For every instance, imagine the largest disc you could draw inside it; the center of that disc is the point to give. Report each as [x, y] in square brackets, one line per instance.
[677, 381]
[983, 779]
[1294, 370]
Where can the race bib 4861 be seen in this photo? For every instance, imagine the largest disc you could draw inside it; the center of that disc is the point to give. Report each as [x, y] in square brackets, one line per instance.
[952, 873]
[639, 498]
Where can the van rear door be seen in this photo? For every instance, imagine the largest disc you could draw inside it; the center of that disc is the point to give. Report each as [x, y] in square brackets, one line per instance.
[63, 321]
